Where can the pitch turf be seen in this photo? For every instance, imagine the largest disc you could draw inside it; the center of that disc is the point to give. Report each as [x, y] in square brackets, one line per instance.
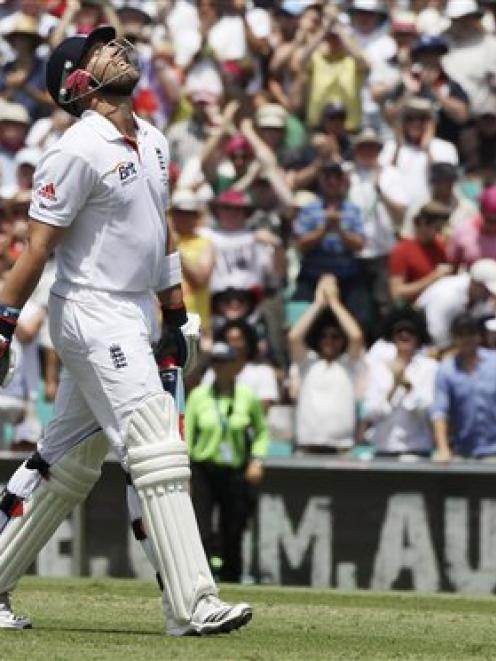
[121, 619]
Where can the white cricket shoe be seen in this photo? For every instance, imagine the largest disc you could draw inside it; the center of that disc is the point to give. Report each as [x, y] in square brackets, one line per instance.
[212, 616]
[7, 618]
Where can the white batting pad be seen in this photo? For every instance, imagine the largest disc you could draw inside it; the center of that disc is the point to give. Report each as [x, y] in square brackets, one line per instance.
[159, 466]
[71, 479]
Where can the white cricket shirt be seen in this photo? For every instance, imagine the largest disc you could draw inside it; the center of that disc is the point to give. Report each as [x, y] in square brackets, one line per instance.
[112, 198]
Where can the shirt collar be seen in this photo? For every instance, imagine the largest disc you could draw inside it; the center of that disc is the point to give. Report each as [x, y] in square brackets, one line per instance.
[106, 129]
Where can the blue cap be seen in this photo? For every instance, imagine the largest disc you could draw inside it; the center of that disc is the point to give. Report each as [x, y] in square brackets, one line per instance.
[429, 43]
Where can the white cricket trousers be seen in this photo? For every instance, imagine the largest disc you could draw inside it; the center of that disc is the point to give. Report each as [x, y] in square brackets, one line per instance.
[104, 342]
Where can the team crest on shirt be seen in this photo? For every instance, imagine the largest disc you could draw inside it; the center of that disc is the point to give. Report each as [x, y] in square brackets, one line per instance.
[117, 356]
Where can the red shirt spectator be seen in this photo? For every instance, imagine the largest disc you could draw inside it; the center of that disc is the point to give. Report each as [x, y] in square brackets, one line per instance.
[415, 263]
[413, 259]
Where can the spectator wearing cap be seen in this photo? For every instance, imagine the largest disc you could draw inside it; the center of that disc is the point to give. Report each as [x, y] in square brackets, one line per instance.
[157, 97]
[463, 413]
[233, 303]
[326, 347]
[477, 147]
[188, 137]
[26, 161]
[488, 21]
[329, 235]
[471, 59]
[46, 20]
[400, 392]
[271, 123]
[386, 75]
[427, 78]
[14, 125]
[331, 143]
[416, 263]
[240, 259]
[196, 252]
[476, 238]
[368, 20]
[336, 67]
[22, 79]
[260, 377]
[443, 178]
[239, 155]
[473, 291]
[294, 23]
[227, 436]
[377, 193]
[415, 147]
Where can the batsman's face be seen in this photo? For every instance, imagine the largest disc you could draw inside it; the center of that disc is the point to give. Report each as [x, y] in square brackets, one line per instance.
[115, 65]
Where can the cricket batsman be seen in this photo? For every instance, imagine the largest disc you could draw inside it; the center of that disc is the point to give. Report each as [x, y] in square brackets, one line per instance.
[99, 200]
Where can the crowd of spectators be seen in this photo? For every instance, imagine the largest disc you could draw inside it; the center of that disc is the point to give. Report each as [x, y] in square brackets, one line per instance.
[333, 194]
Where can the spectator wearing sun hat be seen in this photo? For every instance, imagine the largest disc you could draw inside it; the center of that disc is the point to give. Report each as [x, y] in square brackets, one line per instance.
[368, 18]
[427, 78]
[386, 75]
[471, 60]
[14, 125]
[337, 68]
[476, 238]
[22, 79]
[240, 260]
[415, 146]
[196, 253]
[377, 193]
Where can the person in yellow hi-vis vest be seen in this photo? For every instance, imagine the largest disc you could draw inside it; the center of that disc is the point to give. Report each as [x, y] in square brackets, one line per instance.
[227, 436]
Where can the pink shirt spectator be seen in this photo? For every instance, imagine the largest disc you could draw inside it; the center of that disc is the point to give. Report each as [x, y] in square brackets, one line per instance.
[477, 237]
[470, 243]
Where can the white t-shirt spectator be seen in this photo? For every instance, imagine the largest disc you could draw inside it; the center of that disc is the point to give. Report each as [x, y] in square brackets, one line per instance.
[401, 424]
[326, 404]
[261, 379]
[443, 300]
[378, 225]
[473, 64]
[412, 163]
[240, 261]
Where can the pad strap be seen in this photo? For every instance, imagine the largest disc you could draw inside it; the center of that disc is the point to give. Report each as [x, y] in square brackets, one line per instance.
[71, 479]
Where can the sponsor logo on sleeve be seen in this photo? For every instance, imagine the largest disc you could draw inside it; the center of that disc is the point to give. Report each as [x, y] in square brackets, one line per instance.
[47, 192]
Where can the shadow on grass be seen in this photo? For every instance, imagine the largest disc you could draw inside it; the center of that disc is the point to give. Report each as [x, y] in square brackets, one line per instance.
[94, 630]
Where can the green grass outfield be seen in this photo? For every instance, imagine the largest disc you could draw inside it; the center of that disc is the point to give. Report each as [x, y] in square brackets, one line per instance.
[121, 619]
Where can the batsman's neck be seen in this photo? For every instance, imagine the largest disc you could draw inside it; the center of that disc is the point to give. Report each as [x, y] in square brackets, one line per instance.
[117, 110]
